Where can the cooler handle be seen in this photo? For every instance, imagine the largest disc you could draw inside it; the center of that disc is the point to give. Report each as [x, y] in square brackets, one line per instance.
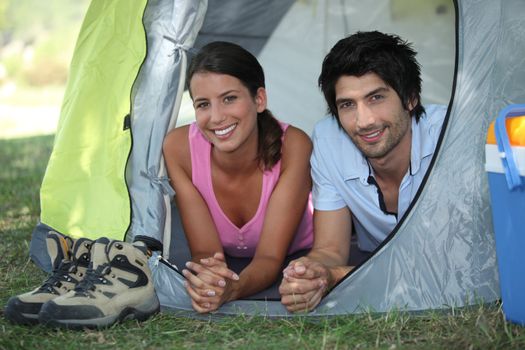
[512, 173]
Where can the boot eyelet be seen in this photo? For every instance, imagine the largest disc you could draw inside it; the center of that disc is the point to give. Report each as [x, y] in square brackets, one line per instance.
[119, 246]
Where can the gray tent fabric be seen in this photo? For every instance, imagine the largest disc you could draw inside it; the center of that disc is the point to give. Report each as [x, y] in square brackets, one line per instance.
[171, 29]
[247, 23]
[442, 253]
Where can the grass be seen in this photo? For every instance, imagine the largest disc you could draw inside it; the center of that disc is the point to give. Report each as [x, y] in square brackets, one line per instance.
[23, 164]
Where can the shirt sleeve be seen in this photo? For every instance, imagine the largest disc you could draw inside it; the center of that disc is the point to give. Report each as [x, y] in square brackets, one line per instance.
[325, 194]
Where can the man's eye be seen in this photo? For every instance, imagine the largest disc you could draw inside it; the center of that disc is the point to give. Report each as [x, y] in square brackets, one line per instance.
[377, 97]
[344, 105]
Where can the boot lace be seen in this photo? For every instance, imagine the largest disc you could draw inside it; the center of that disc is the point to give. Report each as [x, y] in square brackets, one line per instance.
[59, 275]
[91, 279]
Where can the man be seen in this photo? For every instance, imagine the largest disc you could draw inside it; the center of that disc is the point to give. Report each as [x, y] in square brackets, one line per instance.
[369, 158]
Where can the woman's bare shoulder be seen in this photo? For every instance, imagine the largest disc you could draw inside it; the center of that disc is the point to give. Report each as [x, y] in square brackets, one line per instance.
[295, 137]
[176, 146]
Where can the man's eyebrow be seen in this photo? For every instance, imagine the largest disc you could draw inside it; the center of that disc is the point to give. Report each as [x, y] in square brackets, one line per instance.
[375, 91]
[343, 99]
[371, 93]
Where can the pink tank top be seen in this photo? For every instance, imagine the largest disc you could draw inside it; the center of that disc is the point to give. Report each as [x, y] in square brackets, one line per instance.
[241, 242]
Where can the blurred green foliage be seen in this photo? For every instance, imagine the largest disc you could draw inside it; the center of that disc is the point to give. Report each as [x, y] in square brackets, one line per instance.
[37, 39]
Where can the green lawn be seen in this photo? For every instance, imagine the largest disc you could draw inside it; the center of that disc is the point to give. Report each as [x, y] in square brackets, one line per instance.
[23, 163]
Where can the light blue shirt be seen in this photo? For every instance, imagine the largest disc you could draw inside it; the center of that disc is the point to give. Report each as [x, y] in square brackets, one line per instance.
[340, 175]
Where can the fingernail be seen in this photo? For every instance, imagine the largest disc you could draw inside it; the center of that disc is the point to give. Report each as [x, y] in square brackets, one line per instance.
[235, 276]
[285, 275]
[188, 264]
[206, 305]
[211, 293]
[185, 284]
[204, 261]
[221, 283]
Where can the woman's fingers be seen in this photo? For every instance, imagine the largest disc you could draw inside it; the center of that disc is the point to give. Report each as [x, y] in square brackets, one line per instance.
[201, 296]
[206, 275]
[199, 303]
[219, 267]
[203, 288]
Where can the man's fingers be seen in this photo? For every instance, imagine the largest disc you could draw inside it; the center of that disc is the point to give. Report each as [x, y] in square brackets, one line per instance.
[300, 286]
[296, 298]
[304, 269]
[303, 303]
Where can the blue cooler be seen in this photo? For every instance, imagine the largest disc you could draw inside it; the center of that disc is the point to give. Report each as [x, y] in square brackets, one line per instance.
[505, 166]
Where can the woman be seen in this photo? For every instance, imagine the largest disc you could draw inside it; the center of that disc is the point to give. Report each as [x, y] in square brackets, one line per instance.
[242, 179]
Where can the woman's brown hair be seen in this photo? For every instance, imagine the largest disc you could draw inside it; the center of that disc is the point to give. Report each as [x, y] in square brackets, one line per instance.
[227, 58]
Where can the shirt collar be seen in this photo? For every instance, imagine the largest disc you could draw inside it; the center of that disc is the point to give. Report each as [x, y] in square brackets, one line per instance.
[422, 145]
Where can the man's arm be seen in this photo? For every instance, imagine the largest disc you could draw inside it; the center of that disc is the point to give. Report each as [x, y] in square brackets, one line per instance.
[307, 279]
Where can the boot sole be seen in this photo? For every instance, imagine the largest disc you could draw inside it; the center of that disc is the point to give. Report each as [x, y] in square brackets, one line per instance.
[21, 318]
[13, 314]
[139, 313]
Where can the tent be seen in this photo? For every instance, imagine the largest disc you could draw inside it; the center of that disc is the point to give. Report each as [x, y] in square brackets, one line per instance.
[106, 175]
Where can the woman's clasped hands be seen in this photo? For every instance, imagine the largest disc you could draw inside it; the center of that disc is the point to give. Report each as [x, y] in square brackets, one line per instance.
[209, 282]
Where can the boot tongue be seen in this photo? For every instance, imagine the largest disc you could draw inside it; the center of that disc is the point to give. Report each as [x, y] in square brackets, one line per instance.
[80, 247]
[115, 248]
[98, 252]
[58, 247]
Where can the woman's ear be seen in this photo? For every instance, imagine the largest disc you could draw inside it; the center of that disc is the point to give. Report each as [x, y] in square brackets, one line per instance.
[261, 99]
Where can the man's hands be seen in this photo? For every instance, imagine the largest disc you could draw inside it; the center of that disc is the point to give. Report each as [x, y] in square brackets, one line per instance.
[304, 283]
[209, 283]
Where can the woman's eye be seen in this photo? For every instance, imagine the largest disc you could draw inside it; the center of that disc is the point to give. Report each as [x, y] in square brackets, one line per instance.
[229, 99]
[201, 105]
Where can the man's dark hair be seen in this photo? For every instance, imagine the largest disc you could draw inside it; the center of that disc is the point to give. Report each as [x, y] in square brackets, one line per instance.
[386, 55]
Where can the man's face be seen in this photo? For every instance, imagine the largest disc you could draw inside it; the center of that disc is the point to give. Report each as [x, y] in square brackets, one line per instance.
[372, 114]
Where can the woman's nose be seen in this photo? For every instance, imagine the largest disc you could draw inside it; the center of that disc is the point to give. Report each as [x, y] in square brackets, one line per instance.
[217, 114]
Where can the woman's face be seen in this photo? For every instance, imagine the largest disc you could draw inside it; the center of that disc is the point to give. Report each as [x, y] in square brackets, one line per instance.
[225, 111]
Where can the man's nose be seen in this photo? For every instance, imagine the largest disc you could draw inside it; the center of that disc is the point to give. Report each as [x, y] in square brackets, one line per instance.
[365, 117]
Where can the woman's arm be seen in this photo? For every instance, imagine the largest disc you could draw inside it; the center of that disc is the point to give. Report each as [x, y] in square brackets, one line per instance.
[199, 228]
[283, 215]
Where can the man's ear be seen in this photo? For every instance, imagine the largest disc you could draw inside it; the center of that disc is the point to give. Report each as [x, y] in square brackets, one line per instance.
[412, 103]
[261, 99]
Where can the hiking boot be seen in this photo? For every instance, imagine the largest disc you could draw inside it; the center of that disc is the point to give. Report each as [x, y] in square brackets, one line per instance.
[117, 286]
[70, 260]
